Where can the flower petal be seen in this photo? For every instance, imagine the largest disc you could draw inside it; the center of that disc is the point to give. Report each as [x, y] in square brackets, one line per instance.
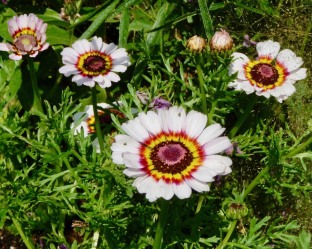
[132, 160]
[182, 190]
[175, 119]
[217, 145]
[268, 49]
[298, 74]
[197, 185]
[134, 129]
[195, 123]
[211, 132]
[289, 59]
[150, 122]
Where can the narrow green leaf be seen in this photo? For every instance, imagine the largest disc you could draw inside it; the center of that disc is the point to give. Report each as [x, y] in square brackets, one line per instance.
[102, 16]
[122, 7]
[124, 28]
[163, 13]
[206, 18]
[216, 6]
[179, 19]
[138, 71]
[249, 8]
[15, 84]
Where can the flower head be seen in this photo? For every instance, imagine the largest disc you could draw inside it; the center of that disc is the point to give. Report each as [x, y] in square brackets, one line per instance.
[247, 43]
[88, 122]
[28, 33]
[221, 41]
[159, 103]
[94, 61]
[273, 74]
[196, 44]
[171, 153]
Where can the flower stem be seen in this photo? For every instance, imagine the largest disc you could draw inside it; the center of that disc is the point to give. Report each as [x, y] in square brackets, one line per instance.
[242, 119]
[28, 242]
[201, 83]
[97, 121]
[228, 235]
[161, 223]
[37, 98]
[95, 239]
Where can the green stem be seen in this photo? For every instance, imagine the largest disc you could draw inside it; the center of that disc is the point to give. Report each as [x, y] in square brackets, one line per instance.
[200, 202]
[228, 235]
[97, 121]
[238, 245]
[95, 239]
[162, 221]
[242, 119]
[306, 38]
[37, 98]
[297, 150]
[201, 83]
[28, 242]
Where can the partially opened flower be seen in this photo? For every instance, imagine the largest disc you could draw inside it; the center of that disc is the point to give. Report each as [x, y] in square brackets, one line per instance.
[273, 74]
[94, 61]
[28, 33]
[88, 122]
[171, 153]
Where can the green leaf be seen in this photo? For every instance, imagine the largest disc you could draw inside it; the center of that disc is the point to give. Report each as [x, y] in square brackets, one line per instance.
[266, 7]
[208, 241]
[15, 84]
[249, 8]
[304, 240]
[139, 24]
[57, 36]
[163, 13]
[52, 17]
[124, 28]
[122, 7]
[100, 19]
[138, 71]
[206, 18]
[216, 6]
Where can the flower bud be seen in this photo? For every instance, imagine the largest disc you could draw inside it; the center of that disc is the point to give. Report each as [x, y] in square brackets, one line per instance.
[70, 8]
[221, 41]
[235, 211]
[196, 43]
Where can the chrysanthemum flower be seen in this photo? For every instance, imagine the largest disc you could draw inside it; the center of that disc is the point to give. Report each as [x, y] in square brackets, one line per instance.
[94, 61]
[170, 153]
[28, 33]
[268, 76]
[88, 122]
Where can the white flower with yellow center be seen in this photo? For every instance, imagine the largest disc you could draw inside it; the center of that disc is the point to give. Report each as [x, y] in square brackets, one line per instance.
[94, 61]
[28, 33]
[171, 153]
[274, 73]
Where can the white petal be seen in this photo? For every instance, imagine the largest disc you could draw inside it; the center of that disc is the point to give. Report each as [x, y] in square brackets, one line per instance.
[133, 172]
[209, 133]
[268, 49]
[34, 54]
[117, 157]
[164, 190]
[119, 53]
[150, 122]
[4, 47]
[112, 77]
[132, 160]
[197, 185]
[122, 60]
[283, 91]
[176, 118]
[247, 87]
[44, 46]
[182, 190]
[88, 82]
[204, 174]
[15, 57]
[119, 68]
[195, 123]
[106, 83]
[135, 130]
[298, 74]
[125, 143]
[265, 94]
[239, 61]
[96, 43]
[70, 52]
[214, 165]
[96, 144]
[217, 145]
[110, 48]
[78, 46]
[162, 117]
[68, 70]
[289, 59]
[225, 160]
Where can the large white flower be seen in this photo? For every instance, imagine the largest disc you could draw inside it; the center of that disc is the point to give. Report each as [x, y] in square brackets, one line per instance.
[171, 153]
[88, 122]
[94, 61]
[28, 33]
[268, 76]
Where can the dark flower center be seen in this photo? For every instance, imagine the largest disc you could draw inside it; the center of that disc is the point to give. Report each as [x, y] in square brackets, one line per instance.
[94, 64]
[25, 43]
[171, 157]
[264, 73]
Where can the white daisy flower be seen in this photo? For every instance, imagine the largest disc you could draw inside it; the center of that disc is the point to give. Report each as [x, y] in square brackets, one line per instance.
[94, 61]
[171, 153]
[88, 122]
[273, 74]
[28, 33]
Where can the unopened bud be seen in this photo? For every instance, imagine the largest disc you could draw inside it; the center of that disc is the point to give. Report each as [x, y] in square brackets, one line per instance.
[70, 8]
[221, 41]
[235, 211]
[196, 43]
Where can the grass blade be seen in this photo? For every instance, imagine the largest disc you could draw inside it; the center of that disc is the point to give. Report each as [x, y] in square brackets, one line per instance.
[124, 28]
[206, 18]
